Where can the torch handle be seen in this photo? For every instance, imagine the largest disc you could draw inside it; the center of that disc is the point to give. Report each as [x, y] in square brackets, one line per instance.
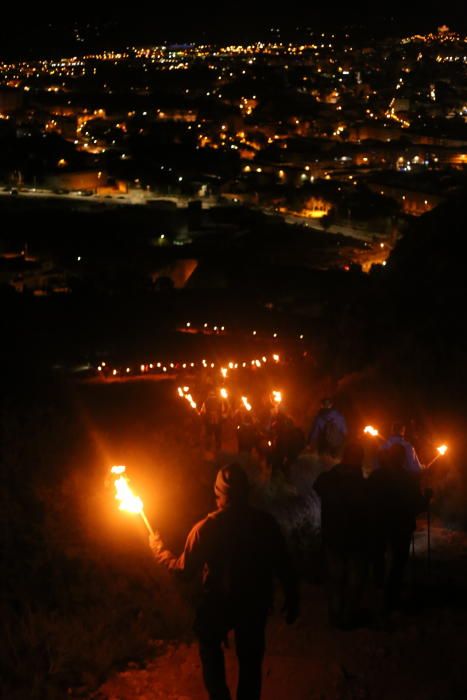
[432, 461]
[147, 523]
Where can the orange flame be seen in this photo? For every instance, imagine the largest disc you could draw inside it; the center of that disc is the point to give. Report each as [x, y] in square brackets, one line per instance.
[128, 501]
[277, 396]
[369, 430]
[442, 449]
[190, 400]
[224, 393]
[246, 403]
[118, 470]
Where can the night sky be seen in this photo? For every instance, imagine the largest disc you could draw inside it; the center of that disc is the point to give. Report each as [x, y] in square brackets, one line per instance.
[64, 31]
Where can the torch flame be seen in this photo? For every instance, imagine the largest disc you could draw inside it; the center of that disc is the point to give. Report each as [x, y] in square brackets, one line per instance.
[128, 500]
[180, 392]
[442, 449]
[276, 358]
[190, 400]
[246, 403]
[277, 396]
[118, 470]
[369, 430]
[224, 393]
[224, 372]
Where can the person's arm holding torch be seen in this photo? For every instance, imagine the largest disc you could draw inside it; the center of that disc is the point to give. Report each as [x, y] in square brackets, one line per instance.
[189, 562]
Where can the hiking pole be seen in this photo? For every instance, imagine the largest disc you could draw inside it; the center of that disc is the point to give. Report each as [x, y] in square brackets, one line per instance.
[412, 567]
[428, 535]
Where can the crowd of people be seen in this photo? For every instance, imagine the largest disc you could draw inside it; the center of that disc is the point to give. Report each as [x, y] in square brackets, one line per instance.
[273, 435]
[367, 526]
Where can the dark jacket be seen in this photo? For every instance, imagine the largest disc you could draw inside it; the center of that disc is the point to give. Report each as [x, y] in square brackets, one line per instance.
[238, 551]
[396, 499]
[344, 508]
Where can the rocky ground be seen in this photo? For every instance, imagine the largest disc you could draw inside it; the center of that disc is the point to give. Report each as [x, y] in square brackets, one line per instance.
[415, 654]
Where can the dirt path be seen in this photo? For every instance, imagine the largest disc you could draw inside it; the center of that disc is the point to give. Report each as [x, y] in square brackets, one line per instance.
[420, 656]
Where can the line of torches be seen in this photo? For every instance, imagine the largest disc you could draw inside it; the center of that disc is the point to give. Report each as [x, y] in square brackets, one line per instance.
[130, 502]
[184, 393]
[165, 368]
[207, 329]
[371, 431]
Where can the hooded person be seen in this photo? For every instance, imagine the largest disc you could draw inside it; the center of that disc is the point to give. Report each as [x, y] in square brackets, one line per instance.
[237, 551]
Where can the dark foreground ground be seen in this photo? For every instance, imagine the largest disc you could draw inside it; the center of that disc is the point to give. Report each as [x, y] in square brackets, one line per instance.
[417, 654]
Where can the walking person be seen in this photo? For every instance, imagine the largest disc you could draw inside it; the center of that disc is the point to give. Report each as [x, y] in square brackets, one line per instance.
[214, 412]
[238, 551]
[344, 530]
[396, 500]
[411, 461]
[328, 431]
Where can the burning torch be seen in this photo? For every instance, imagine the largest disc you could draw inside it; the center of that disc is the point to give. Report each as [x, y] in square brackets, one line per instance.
[373, 432]
[128, 500]
[441, 450]
[277, 397]
[246, 403]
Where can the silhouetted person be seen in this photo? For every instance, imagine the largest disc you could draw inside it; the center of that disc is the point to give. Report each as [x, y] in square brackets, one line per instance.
[238, 551]
[344, 529]
[396, 500]
[285, 441]
[328, 431]
[247, 430]
[214, 412]
[411, 461]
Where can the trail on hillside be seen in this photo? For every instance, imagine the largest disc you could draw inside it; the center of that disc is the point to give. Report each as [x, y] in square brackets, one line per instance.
[416, 655]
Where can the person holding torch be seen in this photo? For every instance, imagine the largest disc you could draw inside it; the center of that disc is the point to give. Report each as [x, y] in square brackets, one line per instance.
[411, 462]
[247, 427]
[238, 551]
[214, 411]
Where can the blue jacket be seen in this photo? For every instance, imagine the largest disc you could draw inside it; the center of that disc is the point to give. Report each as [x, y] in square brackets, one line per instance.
[325, 415]
[412, 463]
